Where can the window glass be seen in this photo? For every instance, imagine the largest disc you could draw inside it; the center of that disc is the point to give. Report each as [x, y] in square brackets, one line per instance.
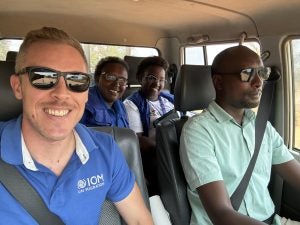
[195, 55]
[93, 52]
[296, 83]
[8, 45]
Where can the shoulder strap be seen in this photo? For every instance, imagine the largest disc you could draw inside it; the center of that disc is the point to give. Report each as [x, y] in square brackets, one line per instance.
[260, 126]
[19, 187]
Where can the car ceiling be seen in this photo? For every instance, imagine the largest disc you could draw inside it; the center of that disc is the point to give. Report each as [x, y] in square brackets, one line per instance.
[144, 22]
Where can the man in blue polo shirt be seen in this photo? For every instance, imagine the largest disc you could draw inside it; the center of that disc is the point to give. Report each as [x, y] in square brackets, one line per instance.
[72, 168]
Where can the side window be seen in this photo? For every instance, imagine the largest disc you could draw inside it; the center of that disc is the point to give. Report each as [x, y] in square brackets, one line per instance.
[204, 55]
[194, 55]
[295, 81]
[93, 52]
[8, 45]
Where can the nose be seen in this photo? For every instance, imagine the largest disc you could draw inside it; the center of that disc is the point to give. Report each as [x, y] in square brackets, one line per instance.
[117, 83]
[257, 81]
[60, 91]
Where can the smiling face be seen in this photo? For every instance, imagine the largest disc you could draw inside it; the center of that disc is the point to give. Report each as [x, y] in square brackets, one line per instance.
[50, 114]
[153, 82]
[112, 90]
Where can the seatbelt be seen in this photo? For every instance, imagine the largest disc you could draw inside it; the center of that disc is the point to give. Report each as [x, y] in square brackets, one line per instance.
[263, 113]
[19, 187]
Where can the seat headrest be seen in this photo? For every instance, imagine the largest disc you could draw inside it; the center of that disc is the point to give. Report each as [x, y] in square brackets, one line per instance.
[10, 106]
[11, 56]
[133, 62]
[194, 88]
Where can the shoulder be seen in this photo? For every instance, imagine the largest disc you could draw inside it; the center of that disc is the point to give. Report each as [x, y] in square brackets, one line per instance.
[2, 125]
[95, 98]
[271, 131]
[134, 95]
[130, 104]
[137, 98]
[202, 119]
[167, 95]
[10, 124]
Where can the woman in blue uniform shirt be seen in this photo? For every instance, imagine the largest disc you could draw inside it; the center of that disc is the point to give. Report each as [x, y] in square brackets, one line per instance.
[104, 107]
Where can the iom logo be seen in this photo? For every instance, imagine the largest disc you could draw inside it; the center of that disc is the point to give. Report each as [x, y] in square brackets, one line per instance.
[90, 183]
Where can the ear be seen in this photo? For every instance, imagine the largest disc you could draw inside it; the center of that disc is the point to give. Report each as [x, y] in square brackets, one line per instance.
[218, 82]
[15, 83]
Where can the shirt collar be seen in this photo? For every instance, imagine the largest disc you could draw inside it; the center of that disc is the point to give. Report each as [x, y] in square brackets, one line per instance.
[14, 150]
[222, 116]
[81, 152]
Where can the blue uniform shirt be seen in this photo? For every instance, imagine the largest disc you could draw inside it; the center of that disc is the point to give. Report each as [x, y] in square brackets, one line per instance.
[97, 113]
[141, 102]
[97, 170]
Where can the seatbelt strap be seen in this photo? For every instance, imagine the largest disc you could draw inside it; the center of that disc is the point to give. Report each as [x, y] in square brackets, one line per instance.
[19, 187]
[263, 113]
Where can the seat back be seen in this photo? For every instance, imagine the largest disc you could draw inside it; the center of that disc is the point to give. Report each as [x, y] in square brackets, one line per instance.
[10, 106]
[11, 56]
[128, 142]
[193, 91]
[126, 139]
[133, 83]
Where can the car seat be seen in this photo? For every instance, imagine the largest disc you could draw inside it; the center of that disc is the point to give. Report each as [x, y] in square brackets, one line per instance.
[193, 91]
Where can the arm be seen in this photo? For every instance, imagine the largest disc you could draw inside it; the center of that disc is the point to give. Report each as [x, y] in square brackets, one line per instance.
[133, 209]
[216, 202]
[147, 144]
[134, 117]
[290, 172]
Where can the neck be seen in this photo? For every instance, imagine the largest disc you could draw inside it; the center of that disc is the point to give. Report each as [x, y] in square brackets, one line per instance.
[236, 113]
[52, 154]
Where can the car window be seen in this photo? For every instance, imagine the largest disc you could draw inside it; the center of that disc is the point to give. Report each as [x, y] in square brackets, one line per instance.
[93, 52]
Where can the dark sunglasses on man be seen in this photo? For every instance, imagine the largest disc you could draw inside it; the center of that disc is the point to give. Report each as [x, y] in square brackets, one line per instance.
[46, 78]
[247, 75]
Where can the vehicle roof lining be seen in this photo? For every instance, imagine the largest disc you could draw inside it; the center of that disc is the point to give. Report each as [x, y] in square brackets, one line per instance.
[114, 21]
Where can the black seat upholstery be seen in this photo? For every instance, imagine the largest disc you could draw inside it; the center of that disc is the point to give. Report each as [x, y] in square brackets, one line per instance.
[10, 106]
[126, 139]
[133, 83]
[193, 91]
[128, 142]
[11, 56]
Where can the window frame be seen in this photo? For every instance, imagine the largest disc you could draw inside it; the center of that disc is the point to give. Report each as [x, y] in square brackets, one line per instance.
[205, 44]
[289, 93]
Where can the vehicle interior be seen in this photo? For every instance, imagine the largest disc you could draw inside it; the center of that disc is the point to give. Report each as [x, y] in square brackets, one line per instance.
[188, 34]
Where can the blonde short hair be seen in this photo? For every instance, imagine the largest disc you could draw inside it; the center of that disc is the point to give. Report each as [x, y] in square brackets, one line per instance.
[46, 34]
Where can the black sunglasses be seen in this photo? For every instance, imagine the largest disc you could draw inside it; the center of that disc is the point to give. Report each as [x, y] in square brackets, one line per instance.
[45, 78]
[247, 75]
[122, 81]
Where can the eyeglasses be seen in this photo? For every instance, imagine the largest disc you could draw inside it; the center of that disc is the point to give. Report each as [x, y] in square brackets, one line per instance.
[45, 78]
[152, 79]
[122, 81]
[248, 74]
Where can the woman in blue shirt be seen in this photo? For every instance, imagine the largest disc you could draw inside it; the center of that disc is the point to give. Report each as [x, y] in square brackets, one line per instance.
[104, 107]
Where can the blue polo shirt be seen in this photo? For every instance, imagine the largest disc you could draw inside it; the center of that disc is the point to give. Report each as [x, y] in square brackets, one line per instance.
[97, 112]
[97, 170]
